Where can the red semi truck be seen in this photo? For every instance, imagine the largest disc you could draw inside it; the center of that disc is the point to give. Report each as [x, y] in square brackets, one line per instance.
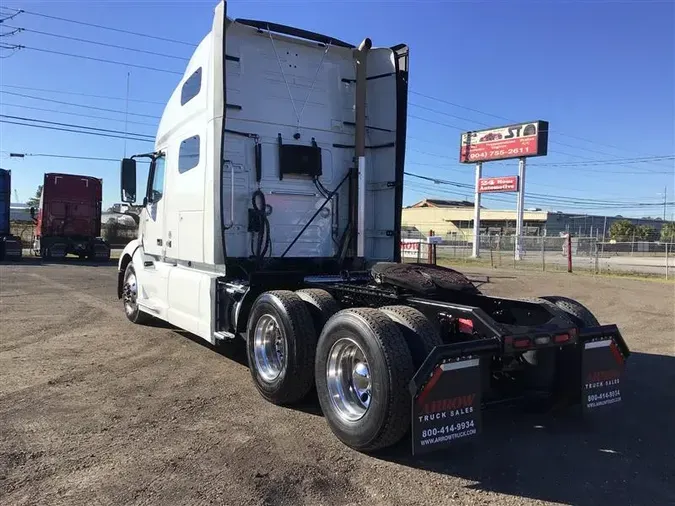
[69, 218]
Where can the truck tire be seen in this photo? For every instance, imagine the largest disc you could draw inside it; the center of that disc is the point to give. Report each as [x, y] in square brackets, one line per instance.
[419, 334]
[321, 305]
[281, 343]
[130, 298]
[363, 368]
[580, 313]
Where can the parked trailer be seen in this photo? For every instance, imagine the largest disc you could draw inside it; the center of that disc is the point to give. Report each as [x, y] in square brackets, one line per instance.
[68, 220]
[273, 213]
[10, 245]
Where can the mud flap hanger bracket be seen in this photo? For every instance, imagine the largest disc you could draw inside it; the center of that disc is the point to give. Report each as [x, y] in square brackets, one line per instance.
[449, 352]
[607, 332]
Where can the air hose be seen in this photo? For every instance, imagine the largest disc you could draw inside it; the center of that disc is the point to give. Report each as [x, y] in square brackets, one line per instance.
[261, 227]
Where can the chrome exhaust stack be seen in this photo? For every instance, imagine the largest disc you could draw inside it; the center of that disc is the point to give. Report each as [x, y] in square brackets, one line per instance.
[358, 203]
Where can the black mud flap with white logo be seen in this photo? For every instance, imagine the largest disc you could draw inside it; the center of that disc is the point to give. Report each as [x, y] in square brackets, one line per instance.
[603, 357]
[446, 395]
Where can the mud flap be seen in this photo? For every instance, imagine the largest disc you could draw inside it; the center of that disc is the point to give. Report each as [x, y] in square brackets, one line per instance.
[56, 251]
[100, 251]
[446, 395]
[602, 364]
[10, 248]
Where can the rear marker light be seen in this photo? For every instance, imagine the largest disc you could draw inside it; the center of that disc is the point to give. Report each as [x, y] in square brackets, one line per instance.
[542, 340]
[561, 338]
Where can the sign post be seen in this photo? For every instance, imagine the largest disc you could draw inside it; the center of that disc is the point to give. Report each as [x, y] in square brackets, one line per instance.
[520, 210]
[476, 212]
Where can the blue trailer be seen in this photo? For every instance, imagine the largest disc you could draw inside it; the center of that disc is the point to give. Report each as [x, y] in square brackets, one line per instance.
[10, 245]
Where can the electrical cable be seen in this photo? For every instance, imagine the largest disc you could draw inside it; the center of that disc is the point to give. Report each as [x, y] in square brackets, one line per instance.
[16, 12]
[44, 109]
[75, 131]
[62, 102]
[70, 125]
[93, 25]
[412, 92]
[77, 93]
[92, 58]
[87, 41]
[69, 157]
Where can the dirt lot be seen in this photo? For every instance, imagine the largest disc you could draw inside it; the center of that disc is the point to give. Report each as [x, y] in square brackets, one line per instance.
[96, 411]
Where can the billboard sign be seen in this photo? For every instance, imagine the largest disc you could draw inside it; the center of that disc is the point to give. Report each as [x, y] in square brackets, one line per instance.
[498, 184]
[503, 143]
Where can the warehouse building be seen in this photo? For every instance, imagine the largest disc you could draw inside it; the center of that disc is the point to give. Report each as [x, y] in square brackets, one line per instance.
[453, 220]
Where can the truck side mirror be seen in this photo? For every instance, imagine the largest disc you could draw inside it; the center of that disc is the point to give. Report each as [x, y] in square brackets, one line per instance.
[32, 212]
[128, 180]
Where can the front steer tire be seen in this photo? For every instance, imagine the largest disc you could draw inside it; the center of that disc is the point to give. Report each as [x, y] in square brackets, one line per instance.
[387, 417]
[130, 298]
[293, 364]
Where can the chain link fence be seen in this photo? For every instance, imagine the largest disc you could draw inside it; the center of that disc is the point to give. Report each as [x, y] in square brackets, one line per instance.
[579, 254]
[117, 234]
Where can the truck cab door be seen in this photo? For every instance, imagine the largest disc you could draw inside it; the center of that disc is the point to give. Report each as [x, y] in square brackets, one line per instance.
[153, 226]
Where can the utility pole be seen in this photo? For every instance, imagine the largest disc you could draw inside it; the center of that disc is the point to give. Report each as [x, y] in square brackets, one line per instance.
[665, 193]
[126, 114]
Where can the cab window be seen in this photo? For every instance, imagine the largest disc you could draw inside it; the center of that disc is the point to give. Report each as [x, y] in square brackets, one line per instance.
[157, 188]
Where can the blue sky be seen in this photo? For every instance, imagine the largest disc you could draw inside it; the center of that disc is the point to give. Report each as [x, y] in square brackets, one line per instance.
[602, 74]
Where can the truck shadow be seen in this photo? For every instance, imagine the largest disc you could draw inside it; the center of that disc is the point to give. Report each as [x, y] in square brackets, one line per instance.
[620, 457]
[36, 261]
[235, 350]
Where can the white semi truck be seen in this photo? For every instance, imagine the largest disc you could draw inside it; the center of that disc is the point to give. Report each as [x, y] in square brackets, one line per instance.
[272, 213]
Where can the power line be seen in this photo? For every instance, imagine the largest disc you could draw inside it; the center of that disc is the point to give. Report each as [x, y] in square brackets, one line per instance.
[38, 120]
[571, 165]
[77, 105]
[18, 11]
[44, 109]
[104, 44]
[48, 127]
[559, 199]
[93, 25]
[23, 155]
[454, 104]
[69, 130]
[92, 58]
[62, 92]
[11, 16]
[70, 157]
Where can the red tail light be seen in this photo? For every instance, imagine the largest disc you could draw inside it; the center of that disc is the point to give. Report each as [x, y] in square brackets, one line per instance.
[521, 342]
[465, 326]
[561, 338]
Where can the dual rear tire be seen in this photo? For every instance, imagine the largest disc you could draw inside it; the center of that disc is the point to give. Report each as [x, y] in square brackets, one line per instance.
[361, 361]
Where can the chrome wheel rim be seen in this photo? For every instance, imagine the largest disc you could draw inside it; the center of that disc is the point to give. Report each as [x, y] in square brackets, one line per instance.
[348, 380]
[269, 348]
[130, 293]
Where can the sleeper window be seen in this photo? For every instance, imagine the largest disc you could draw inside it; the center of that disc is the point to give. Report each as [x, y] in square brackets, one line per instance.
[191, 87]
[188, 154]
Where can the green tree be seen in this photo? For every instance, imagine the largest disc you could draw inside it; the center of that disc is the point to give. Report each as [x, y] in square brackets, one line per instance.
[622, 230]
[35, 201]
[645, 233]
[668, 231]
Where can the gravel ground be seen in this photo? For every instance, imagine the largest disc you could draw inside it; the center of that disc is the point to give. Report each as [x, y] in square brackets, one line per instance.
[94, 410]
